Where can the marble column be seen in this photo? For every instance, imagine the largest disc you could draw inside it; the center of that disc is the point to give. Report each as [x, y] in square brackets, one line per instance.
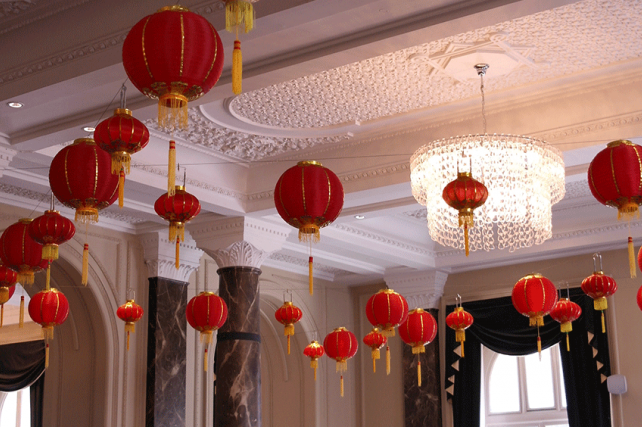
[422, 405]
[166, 328]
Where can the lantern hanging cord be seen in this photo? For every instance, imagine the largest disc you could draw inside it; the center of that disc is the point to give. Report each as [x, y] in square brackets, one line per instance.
[120, 92]
[40, 201]
[481, 72]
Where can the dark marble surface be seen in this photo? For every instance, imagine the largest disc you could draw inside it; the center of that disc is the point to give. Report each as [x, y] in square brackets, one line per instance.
[238, 361]
[166, 353]
[422, 405]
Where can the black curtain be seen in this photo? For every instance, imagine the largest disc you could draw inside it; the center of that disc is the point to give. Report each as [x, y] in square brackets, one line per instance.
[501, 328]
[23, 365]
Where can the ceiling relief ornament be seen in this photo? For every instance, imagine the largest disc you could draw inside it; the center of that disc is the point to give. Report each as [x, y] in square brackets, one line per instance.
[240, 145]
[562, 41]
[8, 8]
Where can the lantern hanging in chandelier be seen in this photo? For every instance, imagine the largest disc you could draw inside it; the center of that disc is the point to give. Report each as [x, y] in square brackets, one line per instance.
[566, 312]
[288, 314]
[524, 178]
[385, 311]
[419, 330]
[239, 16]
[20, 252]
[341, 345]
[48, 308]
[309, 196]
[534, 296]
[314, 351]
[599, 286]
[375, 340]
[206, 313]
[459, 320]
[130, 313]
[614, 177]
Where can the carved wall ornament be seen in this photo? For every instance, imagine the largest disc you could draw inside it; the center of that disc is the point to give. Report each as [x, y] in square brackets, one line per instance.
[239, 254]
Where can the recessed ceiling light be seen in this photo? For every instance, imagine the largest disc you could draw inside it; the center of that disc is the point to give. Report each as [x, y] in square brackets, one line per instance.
[14, 104]
[89, 129]
[360, 216]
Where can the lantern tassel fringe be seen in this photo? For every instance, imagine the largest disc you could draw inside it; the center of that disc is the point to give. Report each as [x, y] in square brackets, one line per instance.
[632, 268]
[21, 321]
[342, 366]
[239, 13]
[388, 332]
[309, 233]
[121, 188]
[387, 360]
[85, 265]
[50, 252]
[86, 215]
[171, 169]
[25, 277]
[172, 112]
[418, 349]
[120, 160]
[237, 68]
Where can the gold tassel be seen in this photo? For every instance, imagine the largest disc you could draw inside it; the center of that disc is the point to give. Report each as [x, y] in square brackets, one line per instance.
[85, 265]
[341, 385]
[603, 324]
[237, 68]
[171, 169]
[374, 365]
[130, 327]
[127, 340]
[466, 239]
[205, 359]
[568, 345]
[288, 344]
[178, 251]
[48, 278]
[387, 360]
[21, 322]
[46, 355]
[310, 269]
[1, 315]
[418, 372]
[314, 364]
[632, 268]
[539, 347]
[121, 188]
[462, 349]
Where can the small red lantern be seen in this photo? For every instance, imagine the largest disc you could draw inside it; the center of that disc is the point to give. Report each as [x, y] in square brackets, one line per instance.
[534, 296]
[308, 196]
[459, 320]
[48, 308]
[375, 340]
[341, 345]
[614, 177]
[6, 292]
[177, 209]
[121, 135]
[639, 298]
[51, 230]
[465, 194]
[419, 329]
[130, 313]
[288, 314]
[565, 312]
[20, 252]
[314, 351]
[8, 279]
[206, 313]
[599, 286]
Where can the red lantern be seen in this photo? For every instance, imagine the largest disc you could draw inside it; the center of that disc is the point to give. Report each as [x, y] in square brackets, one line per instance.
[419, 329]
[130, 313]
[238, 13]
[308, 196]
[288, 314]
[8, 279]
[20, 252]
[599, 286]
[386, 310]
[375, 340]
[534, 296]
[341, 345]
[465, 194]
[206, 313]
[639, 298]
[48, 308]
[565, 312]
[314, 351]
[6, 292]
[175, 56]
[51, 230]
[121, 135]
[614, 177]
[177, 209]
[459, 320]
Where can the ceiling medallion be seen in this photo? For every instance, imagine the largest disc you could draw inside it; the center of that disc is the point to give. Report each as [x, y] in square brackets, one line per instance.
[524, 177]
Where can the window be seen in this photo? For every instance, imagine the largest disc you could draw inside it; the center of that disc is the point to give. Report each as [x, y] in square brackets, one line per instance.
[15, 409]
[523, 391]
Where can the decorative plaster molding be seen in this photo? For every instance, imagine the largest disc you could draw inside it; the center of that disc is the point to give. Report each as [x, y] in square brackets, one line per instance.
[22, 192]
[594, 126]
[160, 255]
[8, 8]
[624, 225]
[422, 289]
[383, 239]
[18, 7]
[301, 262]
[577, 189]
[239, 254]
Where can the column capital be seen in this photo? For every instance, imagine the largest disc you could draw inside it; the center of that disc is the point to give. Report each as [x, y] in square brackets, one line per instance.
[160, 256]
[422, 289]
[239, 254]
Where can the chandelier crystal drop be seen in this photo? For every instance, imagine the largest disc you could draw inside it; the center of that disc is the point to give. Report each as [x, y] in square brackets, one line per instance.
[524, 177]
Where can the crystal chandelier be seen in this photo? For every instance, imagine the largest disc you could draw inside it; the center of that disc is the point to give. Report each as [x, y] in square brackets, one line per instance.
[524, 177]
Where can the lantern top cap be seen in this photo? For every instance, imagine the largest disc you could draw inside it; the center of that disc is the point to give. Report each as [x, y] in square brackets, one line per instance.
[180, 188]
[309, 163]
[464, 175]
[619, 142]
[88, 141]
[314, 343]
[173, 8]
[387, 291]
[52, 211]
[206, 294]
[25, 220]
[122, 112]
[288, 304]
[417, 310]
[532, 276]
[130, 301]
[458, 309]
[340, 329]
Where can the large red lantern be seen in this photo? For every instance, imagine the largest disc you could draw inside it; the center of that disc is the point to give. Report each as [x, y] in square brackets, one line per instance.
[565, 312]
[20, 252]
[459, 320]
[8, 279]
[419, 329]
[375, 340]
[130, 313]
[48, 308]
[177, 209]
[288, 314]
[341, 345]
[121, 135]
[175, 56]
[534, 296]
[308, 196]
[614, 177]
[206, 313]
[599, 286]
[51, 230]
[465, 194]
[314, 351]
